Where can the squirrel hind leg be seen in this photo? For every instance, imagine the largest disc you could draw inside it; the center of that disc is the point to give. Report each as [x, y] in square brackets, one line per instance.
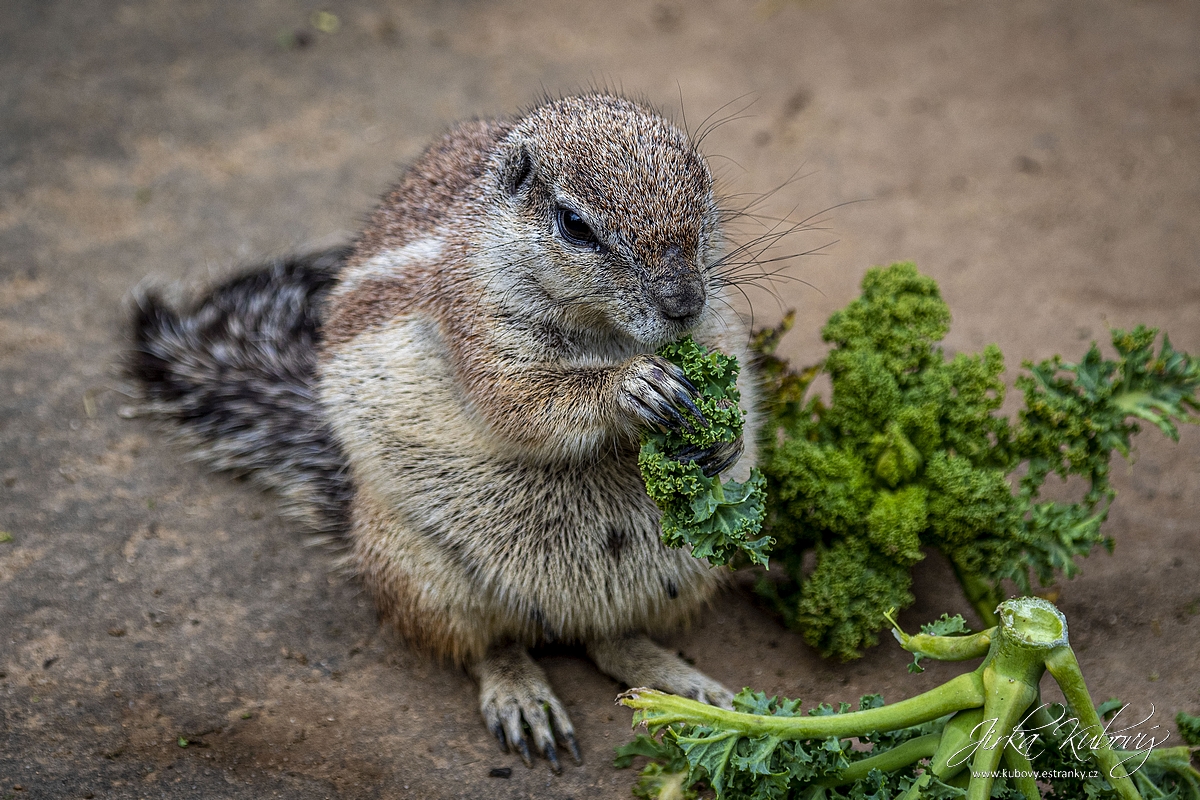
[514, 692]
[637, 661]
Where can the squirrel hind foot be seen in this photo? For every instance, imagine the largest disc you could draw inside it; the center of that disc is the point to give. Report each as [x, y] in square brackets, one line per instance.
[513, 693]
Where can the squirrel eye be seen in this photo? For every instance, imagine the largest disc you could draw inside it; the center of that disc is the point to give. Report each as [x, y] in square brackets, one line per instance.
[572, 228]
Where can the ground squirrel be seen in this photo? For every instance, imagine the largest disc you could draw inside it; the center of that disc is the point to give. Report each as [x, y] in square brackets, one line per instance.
[460, 393]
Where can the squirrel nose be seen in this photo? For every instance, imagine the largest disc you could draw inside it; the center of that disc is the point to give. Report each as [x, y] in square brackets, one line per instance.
[680, 302]
[676, 288]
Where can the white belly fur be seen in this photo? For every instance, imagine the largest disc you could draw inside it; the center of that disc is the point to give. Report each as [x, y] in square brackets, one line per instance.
[492, 546]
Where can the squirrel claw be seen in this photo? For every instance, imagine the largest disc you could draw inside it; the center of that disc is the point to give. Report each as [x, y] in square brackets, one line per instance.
[715, 459]
[722, 456]
[552, 755]
[652, 415]
[573, 746]
[690, 406]
[523, 749]
[498, 731]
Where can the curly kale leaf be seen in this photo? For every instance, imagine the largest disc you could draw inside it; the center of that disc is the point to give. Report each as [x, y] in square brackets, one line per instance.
[946, 625]
[851, 589]
[665, 777]
[717, 520]
[911, 452]
[1189, 727]
[758, 767]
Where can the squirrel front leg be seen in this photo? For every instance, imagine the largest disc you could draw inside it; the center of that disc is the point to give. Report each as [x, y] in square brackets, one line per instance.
[580, 408]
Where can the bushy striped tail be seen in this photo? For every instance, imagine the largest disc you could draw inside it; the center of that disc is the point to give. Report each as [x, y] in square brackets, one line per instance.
[236, 371]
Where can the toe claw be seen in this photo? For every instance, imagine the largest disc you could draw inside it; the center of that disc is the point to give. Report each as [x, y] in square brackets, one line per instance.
[658, 393]
[498, 732]
[651, 414]
[687, 403]
[715, 459]
[523, 749]
[551, 754]
[712, 470]
[679, 420]
[519, 707]
[678, 374]
[573, 746]
[722, 457]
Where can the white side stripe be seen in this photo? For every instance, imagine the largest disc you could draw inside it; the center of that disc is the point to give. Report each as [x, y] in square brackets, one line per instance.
[390, 262]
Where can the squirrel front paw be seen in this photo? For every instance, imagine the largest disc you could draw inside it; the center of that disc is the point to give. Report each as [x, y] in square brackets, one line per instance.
[655, 392]
[514, 694]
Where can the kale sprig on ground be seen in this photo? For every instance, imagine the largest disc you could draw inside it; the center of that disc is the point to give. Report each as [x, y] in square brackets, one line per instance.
[718, 520]
[911, 452]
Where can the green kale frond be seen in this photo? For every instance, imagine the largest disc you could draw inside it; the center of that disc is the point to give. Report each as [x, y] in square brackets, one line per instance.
[846, 596]
[719, 521]
[947, 742]
[686, 758]
[1189, 727]
[911, 452]
[665, 777]
[946, 625]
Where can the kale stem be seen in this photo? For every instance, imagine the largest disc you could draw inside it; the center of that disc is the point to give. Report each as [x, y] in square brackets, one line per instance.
[986, 708]
[1062, 665]
[1018, 762]
[946, 648]
[917, 790]
[658, 709]
[898, 757]
[982, 596]
[1030, 629]
[949, 760]
[1007, 700]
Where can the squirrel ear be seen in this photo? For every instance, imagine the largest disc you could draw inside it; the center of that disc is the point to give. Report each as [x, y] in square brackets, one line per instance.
[516, 170]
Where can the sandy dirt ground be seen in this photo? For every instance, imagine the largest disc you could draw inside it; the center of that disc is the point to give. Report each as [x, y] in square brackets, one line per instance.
[1041, 160]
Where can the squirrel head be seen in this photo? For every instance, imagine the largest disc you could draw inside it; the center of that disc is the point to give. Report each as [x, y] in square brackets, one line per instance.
[609, 213]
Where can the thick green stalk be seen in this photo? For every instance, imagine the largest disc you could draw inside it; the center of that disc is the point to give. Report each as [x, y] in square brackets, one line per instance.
[1007, 700]
[1065, 669]
[1029, 629]
[1019, 763]
[946, 648]
[987, 706]
[1040, 719]
[982, 596]
[658, 708]
[917, 790]
[949, 760]
[898, 757]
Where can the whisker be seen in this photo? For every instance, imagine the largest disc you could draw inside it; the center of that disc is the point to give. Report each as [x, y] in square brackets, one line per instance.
[704, 129]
